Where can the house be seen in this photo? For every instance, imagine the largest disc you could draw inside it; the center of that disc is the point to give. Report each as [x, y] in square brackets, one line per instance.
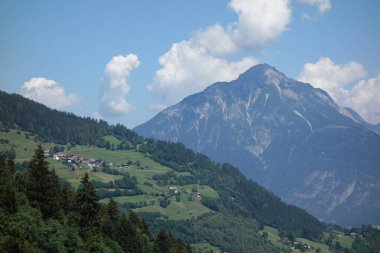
[47, 153]
[173, 189]
[122, 166]
[353, 235]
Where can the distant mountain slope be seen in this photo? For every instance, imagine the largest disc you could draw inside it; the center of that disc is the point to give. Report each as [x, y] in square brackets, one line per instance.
[290, 137]
[239, 199]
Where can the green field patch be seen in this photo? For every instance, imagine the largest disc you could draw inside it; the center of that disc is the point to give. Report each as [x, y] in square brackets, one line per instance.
[144, 177]
[315, 245]
[205, 247]
[133, 199]
[74, 177]
[185, 209]
[103, 177]
[183, 173]
[273, 236]
[99, 153]
[22, 142]
[207, 191]
[112, 139]
[204, 190]
[345, 241]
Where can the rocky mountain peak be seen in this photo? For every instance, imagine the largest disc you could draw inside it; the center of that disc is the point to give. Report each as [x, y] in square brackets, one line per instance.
[263, 73]
[286, 135]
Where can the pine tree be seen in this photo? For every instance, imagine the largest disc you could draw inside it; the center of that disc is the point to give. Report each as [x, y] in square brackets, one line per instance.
[53, 196]
[162, 242]
[86, 203]
[139, 224]
[42, 186]
[8, 200]
[127, 236]
[110, 220]
[113, 211]
[36, 182]
[68, 197]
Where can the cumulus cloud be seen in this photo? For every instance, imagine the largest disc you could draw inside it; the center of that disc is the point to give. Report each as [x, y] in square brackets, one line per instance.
[215, 40]
[365, 98]
[333, 78]
[114, 86]
[341, 81]
[49, 92]
[323, 5]
[191, 65]
[259, 21]
[187, 69]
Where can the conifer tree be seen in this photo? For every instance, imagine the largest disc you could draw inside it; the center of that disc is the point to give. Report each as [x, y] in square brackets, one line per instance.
[68, 197]
[162, 242]
[8, 200]
[127, 236]
[110, 220]
[42, 186]
[53, 196]
[139, 224]
[86, 203]
[113, 211]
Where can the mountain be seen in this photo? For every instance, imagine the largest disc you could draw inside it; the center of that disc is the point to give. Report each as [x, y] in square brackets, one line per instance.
[286, 135]
[230, 211]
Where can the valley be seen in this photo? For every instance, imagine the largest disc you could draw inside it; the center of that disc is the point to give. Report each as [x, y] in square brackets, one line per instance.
[184, 201]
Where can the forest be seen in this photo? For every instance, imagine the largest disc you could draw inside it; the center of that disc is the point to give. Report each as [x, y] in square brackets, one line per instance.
[40, 214]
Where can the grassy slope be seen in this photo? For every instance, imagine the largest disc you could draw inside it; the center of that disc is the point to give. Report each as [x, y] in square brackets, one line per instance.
[143, 169]
[205, 247]
[345, 241]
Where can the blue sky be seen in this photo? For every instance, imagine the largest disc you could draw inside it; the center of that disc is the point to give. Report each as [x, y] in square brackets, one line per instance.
[124, 61]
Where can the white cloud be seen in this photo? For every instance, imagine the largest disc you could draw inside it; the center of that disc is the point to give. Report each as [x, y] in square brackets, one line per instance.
[365, 98]
[48, 92]
[333, 78]
[187, 69]
[323, 5]
[191, 65]
[215, 40]
[339, 81]
[260, 21]
[114, 86]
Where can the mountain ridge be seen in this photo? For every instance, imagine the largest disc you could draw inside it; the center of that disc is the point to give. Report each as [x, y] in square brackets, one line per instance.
[275, 128]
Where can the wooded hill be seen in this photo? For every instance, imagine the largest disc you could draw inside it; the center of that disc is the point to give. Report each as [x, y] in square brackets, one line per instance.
[39, 215]
[241, 210]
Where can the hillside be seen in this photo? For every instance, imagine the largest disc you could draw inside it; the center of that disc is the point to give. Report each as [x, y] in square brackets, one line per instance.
[176, 216]
[288, 136]
[212, 206]
[38, 214]
[214, 194]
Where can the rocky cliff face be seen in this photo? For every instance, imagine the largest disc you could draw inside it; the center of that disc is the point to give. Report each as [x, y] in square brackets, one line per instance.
[286, 135]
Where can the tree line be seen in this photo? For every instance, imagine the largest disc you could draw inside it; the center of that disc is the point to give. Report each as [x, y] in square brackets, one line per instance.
[60, 127]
